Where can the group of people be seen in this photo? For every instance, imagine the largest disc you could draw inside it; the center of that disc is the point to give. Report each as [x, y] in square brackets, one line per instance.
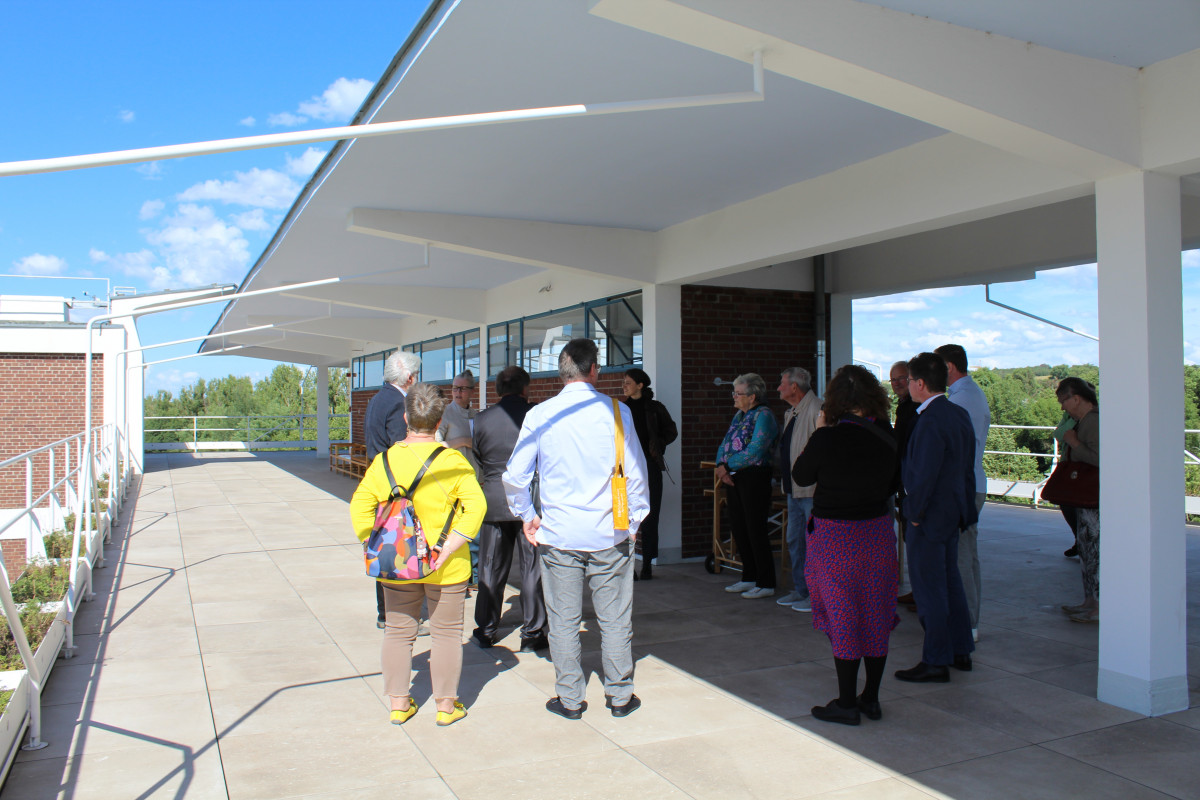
[848, 476]
[524, 479]
[541, 482]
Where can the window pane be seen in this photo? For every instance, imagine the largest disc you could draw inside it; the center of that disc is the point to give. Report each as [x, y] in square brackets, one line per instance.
[437, 360]
[499, 346]
[371, 370]
[467, 356]
[546, 336]
[617, 331]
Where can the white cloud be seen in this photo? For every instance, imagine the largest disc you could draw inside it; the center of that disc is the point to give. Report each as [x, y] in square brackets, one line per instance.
[151, 209]
[885, 305]
[286, 119]
[168, 378]
[151, 171]
[192, 247]
[304, 164]
[125, 116]
[1191, 258]
[263, 188]
[247, 122]
[39, 264]
[252, 220]
[336, 104]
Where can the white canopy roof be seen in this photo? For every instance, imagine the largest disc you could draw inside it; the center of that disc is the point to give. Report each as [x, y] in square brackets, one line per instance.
[920, 142]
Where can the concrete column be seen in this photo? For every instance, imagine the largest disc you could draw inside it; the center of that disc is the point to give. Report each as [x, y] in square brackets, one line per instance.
[841, 333]
[323, 411]
[662, 358]
[1143, 655]
[481, 380]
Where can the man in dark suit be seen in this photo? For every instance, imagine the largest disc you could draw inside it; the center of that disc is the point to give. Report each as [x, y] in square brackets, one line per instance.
[496, 431]
[383, 422]
[939, 482]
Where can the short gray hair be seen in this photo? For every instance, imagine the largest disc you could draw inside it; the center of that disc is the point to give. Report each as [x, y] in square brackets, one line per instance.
[466, 373]
[754, 384]
[799, 377]
[400, 366]
[423, 407]
[577, 358]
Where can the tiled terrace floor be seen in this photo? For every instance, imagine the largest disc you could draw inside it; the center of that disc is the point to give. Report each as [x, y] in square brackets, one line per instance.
[232, 652]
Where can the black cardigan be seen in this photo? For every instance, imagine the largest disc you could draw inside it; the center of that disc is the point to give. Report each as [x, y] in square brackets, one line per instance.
[854, 470]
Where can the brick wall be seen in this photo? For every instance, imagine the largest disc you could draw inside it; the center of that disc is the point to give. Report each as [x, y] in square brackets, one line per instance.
[13, 552]
[725, 333]
[41, 401]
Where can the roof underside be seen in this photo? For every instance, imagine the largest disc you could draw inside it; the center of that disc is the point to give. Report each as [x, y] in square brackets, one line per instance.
[867, 142]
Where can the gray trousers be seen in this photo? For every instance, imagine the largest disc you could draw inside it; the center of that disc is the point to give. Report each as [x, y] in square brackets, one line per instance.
[968, 564]
[609, 576]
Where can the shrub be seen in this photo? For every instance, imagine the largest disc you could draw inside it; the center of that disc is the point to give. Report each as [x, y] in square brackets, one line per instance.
[42, 583]
[35, 622]
[58, 544]
[4, 697]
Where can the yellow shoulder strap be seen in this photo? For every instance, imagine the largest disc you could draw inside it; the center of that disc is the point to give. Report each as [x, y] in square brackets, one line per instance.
[620, 437]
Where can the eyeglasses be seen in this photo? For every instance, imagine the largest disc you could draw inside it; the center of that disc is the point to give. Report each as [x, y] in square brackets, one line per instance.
[899, 380]
[736, 395]
[459, 389]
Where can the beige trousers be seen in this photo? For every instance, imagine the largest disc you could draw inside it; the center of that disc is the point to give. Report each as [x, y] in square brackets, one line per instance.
[402, 607]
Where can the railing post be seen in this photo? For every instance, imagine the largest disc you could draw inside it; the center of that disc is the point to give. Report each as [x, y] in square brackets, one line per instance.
[29, 547]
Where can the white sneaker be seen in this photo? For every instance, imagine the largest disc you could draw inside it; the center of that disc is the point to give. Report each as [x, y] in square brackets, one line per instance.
[739, 587]
[802, 605]
[756, 592]
[974, 634]
[788, 599]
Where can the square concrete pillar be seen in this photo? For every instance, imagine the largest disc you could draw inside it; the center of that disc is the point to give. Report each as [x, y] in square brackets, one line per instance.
[662, 359]
[1143, 631]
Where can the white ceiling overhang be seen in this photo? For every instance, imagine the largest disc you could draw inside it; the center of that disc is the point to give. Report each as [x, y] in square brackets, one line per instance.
[884, 131]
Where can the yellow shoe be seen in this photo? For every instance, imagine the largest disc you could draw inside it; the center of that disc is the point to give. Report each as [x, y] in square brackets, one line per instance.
[401, 717]
[445, 718]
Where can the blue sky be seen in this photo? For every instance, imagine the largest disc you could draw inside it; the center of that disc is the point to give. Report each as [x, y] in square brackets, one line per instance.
[89, 77]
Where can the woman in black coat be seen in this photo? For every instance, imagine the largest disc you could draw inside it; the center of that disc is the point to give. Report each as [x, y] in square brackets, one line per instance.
[655, 430]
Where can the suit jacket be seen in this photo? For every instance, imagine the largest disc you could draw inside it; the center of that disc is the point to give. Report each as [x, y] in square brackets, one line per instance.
[496, 431]
[939, 470]
[383, 424]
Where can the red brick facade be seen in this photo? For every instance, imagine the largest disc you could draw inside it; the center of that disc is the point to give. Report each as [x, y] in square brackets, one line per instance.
[41, 401]
[725, 332]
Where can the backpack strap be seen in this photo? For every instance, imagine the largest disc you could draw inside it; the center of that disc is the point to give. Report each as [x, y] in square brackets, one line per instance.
[396, 491]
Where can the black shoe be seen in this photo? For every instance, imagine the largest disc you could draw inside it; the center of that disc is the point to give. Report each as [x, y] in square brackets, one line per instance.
[534, 644]
[633, 705]
[924, 673]
[1071, 551]
[835, 713]
[555, 706]
[380, 624]
[647, 572]
[870, 708]
[962, 663]
[482, 640]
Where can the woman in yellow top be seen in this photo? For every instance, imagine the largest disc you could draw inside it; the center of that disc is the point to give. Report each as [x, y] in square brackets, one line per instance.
[449, 478]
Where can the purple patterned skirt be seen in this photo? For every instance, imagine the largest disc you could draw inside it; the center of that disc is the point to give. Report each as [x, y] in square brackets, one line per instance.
[851, 574]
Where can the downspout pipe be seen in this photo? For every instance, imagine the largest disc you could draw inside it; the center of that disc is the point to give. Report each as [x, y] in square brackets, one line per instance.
[820, 315]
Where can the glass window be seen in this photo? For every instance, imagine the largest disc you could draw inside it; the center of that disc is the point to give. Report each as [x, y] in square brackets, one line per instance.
[368, 370]
[546, 335]
[437, 359]
[614, 323]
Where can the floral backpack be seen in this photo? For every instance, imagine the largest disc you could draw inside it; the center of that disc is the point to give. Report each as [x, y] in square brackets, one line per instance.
[397, 549]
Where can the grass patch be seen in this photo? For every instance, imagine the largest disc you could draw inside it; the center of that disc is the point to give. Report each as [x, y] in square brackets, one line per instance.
[42, 583]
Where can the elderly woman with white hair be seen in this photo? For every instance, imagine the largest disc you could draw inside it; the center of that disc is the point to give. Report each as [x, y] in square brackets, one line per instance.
[744, 466]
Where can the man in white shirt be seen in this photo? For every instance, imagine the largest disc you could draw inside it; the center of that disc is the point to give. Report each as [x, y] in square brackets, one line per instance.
[965, 393]
[570, 441]
[799, 422]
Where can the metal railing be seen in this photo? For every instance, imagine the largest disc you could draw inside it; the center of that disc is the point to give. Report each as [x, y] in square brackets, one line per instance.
[1032, 490]
[248, 432]
[73, 469]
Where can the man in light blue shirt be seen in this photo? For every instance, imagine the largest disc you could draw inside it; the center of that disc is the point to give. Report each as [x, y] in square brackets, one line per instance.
[964, 392]
[570, 440]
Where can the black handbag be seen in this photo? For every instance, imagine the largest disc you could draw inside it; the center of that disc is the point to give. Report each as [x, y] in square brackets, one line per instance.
[1073, 483]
